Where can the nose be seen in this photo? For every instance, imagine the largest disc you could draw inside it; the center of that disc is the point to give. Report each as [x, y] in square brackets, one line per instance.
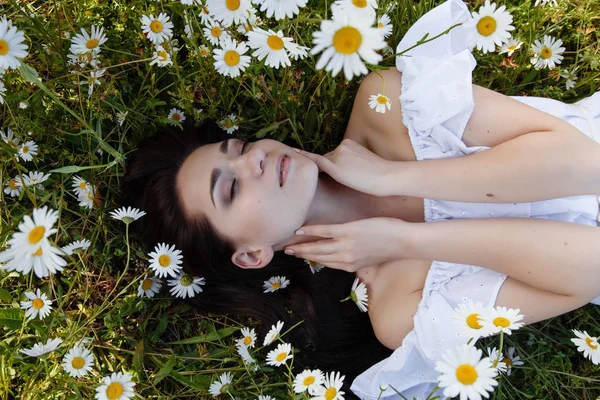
[251, 163]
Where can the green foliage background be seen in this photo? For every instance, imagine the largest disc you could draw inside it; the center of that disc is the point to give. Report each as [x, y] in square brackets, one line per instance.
[171, 352]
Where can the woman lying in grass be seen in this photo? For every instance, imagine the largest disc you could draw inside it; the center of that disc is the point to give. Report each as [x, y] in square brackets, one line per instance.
[460, 194]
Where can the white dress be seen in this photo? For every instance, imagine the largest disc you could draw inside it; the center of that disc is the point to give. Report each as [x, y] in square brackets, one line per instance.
[437, 101]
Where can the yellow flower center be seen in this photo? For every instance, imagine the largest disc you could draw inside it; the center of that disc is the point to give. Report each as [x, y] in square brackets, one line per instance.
[88, 13]
[156, 26]
[37, 253]
[275, 285]
[466, 374]
[147, 284]
[216, 31]
[486, 26]
[162, 55]
[203, 52]
[78, 362]
[90, 196]
[359, 3]
[232, 58]
[380, 24]
[82, 185]
[10, 142]
[546, 53]
[590, 343]
[507, 361]
[176, 117]
[347, 40]
[114, 390]
[512, 48]
[164, 260]
[36, 234]
[3, 47]
[501, 321]
[281, 356]
[228, 124]
[91, 44]
[25, 149]
[37, 303]
[381, 99]
[232, 4]
[309, 380]
[247, 340]
[275, 42]
[330, 393]
[13, 184]
[473, 321]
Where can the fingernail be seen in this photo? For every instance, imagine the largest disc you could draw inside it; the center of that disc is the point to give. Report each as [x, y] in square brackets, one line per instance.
[296, 150]
[289, 252]
[299, 232]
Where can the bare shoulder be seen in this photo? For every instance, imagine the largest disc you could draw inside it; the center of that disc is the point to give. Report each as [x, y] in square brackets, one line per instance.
[365, 124]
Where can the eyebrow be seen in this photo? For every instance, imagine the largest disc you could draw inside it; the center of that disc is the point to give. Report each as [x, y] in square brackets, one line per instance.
[216, 172]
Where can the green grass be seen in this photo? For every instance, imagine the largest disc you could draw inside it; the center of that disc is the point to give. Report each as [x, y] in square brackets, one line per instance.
[92, 297]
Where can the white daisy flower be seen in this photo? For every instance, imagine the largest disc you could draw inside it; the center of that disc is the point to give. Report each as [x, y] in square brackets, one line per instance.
[228, 124]
[570, 77]
[14, 187]
[199, 110]
[359, 295]
[161, 57]
[510, 46]
[331, 388]
[191, 2]
[296, 51]
[221, 386]
[37, 306]
[275, 283]
[11, 45]
[248, 337]
[544, 2]
[78, 361]
[83, 43]
[127, 215]
[230, 60]
[385, 24]
[511, 360]
[229, 12]
[547, 53]
[215, 33]
[379, 102]
[121, 117]
[314, 266]
[494, 354]
[185, 285]
[346, 40]
[39, 349]
[267, 397]
[45, 260]
[464, 372]
[496, 319]
[27, 150]
[9, 138]
[467, 318]
[273, 46]
[489, 27]
[362, 8]
[157, 29]
[165, 260]
[176, 115]
[249, 361]
[204, 51]
[273, 333]
[280, 355]
[204, 15]
[78, 244]
[88, 198]
[35, 178]
[281, 8]
[2, 92]
[117, 386]
[308, 380]
[23, 105]
[588, 345]
[149, 286]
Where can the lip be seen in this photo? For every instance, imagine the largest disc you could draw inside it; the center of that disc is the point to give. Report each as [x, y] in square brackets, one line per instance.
[278, 169]
[282, 174]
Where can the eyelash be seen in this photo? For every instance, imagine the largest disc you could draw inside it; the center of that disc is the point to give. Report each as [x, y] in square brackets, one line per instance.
[234, 183]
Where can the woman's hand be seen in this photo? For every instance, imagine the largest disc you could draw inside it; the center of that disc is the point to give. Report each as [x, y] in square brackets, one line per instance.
[354, 245]
[354, 166]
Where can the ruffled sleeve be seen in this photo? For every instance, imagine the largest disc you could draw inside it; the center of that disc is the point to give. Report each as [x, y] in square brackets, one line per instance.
[437, 93]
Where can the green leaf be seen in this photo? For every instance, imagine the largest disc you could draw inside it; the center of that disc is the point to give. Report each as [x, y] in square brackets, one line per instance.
[262, 132]
[12, 318]
[161, 328]
[138, 356]
[165, 370]
[195, 381]
[209, 337]
[5, 295]
[529, 77]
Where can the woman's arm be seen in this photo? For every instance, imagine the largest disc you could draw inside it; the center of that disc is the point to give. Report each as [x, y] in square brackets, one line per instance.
[555, 256]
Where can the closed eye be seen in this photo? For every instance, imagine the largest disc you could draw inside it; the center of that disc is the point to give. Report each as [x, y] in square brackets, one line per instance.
[234, 183]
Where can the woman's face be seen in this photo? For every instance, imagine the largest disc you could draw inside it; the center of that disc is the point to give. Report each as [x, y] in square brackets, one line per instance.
[236, 185]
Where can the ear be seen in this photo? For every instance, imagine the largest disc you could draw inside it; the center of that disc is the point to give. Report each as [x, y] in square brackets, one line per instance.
[250, 259]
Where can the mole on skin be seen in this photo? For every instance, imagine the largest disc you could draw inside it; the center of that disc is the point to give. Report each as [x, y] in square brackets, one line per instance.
[489, 195]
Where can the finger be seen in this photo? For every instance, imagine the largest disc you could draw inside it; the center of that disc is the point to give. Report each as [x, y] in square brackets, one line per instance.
[326, 231]
[323, 162]
[318, 248]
